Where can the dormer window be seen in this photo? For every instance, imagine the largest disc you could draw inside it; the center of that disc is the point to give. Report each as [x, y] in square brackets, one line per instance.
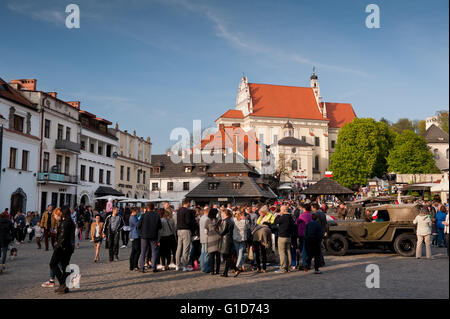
[156, 170]
[213, 186]
[236, 185]
[188, 169]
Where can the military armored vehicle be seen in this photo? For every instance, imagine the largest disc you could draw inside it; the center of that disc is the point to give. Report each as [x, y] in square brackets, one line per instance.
[396, 231]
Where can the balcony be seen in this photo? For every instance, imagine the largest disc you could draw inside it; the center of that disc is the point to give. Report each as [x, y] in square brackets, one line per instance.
[67, 146]
[57, 178]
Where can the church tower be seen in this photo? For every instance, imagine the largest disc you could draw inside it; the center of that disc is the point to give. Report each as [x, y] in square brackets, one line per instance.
[314, 82]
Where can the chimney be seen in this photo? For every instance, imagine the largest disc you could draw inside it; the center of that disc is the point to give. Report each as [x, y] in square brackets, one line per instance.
[75, 104]
[26, 84]
[52, 94]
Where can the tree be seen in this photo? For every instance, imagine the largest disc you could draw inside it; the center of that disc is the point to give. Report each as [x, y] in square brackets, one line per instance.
[411, 155]
[386, 121]
[443, 120]
[402, 124]
[421, 128]
[361, 151]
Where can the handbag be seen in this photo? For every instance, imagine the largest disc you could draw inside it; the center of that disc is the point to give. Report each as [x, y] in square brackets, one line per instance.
[126, 228]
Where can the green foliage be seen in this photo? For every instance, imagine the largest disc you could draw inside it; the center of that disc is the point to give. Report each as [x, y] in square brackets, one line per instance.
[410, 155]
[443, 120]
[415, 194]
[361, 151]
[421, 128]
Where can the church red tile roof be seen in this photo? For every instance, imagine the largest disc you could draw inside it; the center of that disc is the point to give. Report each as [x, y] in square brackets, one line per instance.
[233, 114]
[339, 114]
[292, 102]
[284, 101]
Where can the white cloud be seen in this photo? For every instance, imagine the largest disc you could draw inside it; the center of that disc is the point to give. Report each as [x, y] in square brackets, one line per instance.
[38, 13]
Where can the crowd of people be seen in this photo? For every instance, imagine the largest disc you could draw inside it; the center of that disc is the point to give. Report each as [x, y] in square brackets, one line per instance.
[242, 238]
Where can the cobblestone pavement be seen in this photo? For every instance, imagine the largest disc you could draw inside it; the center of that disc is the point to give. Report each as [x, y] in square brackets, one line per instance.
[343, 277]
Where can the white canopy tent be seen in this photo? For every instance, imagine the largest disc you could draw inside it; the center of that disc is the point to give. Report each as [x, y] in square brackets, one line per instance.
[107, 197]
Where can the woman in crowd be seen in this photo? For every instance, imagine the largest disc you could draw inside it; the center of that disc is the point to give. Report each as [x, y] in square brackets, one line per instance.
[135, 238]
[226, 241]
[196, 246]
[241, 227]
[213, 239]
[166, 236]
[96, 235]
[65, 237]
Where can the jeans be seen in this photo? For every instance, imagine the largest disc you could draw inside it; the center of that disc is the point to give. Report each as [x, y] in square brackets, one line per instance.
[284, 250]
[214, 260]
[441, 237]
[59, 262]
[183, 247]
[304, 252]
[135, 253]
[420, 240]
[3, 253]
[113, 244]
[313, 250]
[260, 250]
[239, 246]
[204, 259]
[125, 237]
[146, 242]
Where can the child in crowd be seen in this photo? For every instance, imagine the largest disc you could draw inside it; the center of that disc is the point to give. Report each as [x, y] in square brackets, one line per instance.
[38, 233]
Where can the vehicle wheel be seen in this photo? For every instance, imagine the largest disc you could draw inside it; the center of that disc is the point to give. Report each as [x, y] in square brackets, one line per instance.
[337, 245]
[405, 245]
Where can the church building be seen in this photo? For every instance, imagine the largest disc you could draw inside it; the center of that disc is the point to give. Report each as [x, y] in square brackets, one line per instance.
[294, 129]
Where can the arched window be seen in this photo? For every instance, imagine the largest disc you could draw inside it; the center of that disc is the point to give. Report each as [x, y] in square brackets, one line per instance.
[436, 153]
[294, 165]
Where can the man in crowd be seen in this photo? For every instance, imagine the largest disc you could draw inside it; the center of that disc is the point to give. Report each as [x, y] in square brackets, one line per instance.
[285, 228]
[48, 223]
[185, 226]
[342, 211]
[322, 218]
[149, 226]
[111, 230]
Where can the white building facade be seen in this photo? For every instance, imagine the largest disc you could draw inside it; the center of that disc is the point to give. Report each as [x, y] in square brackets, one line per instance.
[19, 151]
[96, 160]
[57, 176]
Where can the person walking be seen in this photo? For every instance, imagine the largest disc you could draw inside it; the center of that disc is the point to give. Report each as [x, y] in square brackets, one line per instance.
[315, 208]
[313, 237]
[38, 233]
[135, 238]
[48, 223]
[96, 235]
[440, 218]
[424, 224]
[185, 226]
[286, 227]
[64, 247]
[89, 219]
[212, 241]
[111, 231]
[240, 231]
[126, 228]
[204, 256]
[149, 226]
[20, 223]
[6, 229]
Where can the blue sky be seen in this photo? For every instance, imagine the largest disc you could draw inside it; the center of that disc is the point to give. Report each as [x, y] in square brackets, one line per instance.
[159, 64]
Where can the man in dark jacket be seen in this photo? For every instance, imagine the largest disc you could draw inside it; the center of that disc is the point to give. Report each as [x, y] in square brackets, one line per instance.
[149, 226]
[185, 227]
[313, 236]
[315, 208]
[111, 230]
[286, 227]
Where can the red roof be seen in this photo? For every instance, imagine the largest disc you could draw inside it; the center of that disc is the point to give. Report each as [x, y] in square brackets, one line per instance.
[339, 114]
[247, 143]
[284, 101]
[7, 92]
[233, 114]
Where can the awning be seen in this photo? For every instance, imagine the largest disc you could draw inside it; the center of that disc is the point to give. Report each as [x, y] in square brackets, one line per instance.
[105, 191]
